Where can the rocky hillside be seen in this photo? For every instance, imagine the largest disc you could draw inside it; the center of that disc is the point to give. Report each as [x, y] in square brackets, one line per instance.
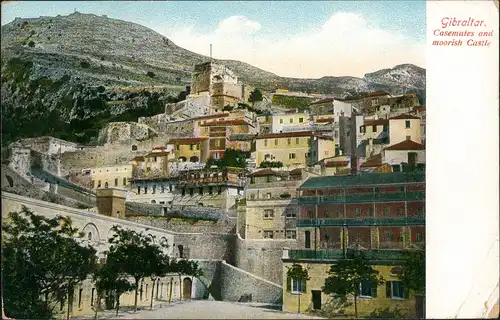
[66, 76]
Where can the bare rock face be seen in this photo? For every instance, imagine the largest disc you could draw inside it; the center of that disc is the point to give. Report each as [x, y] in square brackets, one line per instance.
[117, 132]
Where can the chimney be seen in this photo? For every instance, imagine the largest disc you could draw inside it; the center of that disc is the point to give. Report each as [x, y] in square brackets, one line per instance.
[111, 202]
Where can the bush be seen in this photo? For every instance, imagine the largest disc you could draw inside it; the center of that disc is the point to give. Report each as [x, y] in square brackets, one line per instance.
[150, 74]
[285, 196]
[271, 164]
[85, 64]
[31, 44]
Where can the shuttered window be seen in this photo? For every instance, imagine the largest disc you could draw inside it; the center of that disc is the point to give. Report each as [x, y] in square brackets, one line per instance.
[295, 286]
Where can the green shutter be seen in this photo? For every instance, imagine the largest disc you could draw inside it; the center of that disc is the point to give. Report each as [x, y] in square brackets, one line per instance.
[304, 286]
[374, 289]
[288, 284]
[388, 289]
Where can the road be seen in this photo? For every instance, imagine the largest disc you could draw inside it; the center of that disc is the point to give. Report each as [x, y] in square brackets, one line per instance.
[204, 309]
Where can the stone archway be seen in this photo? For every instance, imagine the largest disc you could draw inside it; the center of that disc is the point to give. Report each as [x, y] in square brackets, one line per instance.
[186, 288]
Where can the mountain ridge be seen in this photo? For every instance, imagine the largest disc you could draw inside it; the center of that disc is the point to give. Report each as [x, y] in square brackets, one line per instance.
[83, 70]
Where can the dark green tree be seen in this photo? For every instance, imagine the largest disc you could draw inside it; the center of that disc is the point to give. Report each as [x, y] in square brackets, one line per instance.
[346, 276]
[255, 96]
[413, 276]
[42, 261]
[235, 158]
[159, 266]
[299, 275]
[133, 253]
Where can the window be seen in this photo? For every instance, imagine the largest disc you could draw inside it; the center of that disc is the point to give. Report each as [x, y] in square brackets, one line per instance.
[290, 213]
[138, 190]
[106, 185]
[116, 182]
[210, 190]
[200, 191]
[362, 129]
[291, 156]
[407, 124]
[268, 213]
[370, 211]
[89, 236]
[307, 243]
[93, 184]
[297, 140]
[408, 138]
[80, 292]
[217, 143]
[268, 234]
[265, 142]
[191, 147]
[291, 120]
[389, 236]
[124, 181]
[281, 121]
[289, 140]
[134, 148]
[291, 234]
[401, 212]
[385, 212]
[419, 237]
[275, 142]
[358, 212]
[98, 183]
[296, 286]
[374, 128]
[92, 297]
[420, 211]
[368, 289]
[154, 188]
[162, 188]
[395, 290]
[301, 120]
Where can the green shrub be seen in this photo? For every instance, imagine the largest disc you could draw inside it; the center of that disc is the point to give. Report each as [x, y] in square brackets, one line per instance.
[85, 64]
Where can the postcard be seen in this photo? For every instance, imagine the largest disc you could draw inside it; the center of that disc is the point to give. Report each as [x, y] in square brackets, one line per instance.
[250, 159]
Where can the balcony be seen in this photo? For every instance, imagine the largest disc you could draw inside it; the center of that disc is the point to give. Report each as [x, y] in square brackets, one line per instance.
[360, 222]
[276, 184]
[336, 254]
[364, 198]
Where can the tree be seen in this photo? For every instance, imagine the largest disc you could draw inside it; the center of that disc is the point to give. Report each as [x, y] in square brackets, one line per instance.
[235, 158]
[413, 276]
[133, 253]
[297, 277]
[107, 279]
[150, 74]
[182, 96]
[255, 96]
[41, 257]
[159, 266]
[347, 276]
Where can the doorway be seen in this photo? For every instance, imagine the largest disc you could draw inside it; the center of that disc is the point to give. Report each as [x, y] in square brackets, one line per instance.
[186, 288]
[316, 299]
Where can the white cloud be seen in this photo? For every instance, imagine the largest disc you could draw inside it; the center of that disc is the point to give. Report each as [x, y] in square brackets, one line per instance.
[344, 45]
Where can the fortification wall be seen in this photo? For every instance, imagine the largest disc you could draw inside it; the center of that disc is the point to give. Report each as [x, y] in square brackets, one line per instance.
[205, 246]
[262, 257]
[188, 226]
[237, 283]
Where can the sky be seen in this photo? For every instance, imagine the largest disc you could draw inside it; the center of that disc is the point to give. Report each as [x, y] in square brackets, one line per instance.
[305, 39]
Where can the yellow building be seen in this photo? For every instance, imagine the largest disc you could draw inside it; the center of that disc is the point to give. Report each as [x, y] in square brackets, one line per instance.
[190, 149]
[290, 121]
[153, 165]
[390, 294]
[114, 176]
[293, 149]
[404, 127]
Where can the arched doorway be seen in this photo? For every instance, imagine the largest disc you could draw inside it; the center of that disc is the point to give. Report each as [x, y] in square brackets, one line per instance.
[186, 288]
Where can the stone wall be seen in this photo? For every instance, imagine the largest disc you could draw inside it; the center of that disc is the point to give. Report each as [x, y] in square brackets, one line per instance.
[237, 283]
[125, 131]
[87, 199]
[205, 246]
[208, 286]
[262, 257]
[187, 226]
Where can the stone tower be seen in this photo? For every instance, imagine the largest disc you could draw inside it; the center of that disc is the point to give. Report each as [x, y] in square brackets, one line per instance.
[111, 202]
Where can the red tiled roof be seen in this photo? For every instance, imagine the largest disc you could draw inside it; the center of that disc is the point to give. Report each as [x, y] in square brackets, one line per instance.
[323, 137]
[403, 117]
[324, 120]
[263, 172]
[322, 101]
[159, 148]
[225, 123]
[285, 135]
[157, 154]
[419, 108]
[378, 122]
[187, 140]
[332, 164]
[406, 145]
[374, 161]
